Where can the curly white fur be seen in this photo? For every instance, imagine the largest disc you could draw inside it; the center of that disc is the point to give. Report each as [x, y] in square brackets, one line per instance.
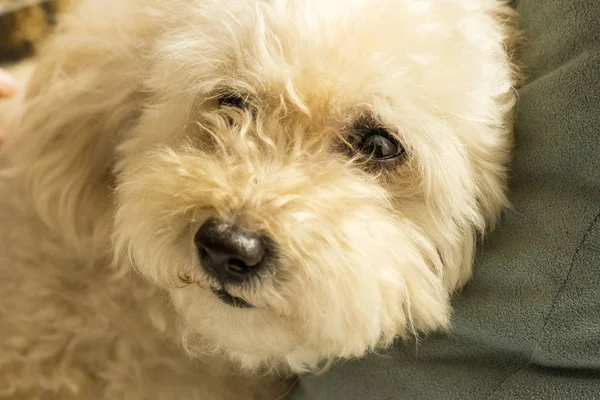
[121, 152]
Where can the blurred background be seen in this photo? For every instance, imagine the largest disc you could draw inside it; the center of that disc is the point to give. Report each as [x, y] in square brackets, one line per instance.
[24, 24]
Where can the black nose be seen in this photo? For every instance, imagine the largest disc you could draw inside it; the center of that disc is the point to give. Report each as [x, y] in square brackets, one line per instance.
[228, 252]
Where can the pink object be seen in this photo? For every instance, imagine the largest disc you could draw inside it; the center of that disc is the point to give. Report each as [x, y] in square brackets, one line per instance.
[7, 84]
[8, 88]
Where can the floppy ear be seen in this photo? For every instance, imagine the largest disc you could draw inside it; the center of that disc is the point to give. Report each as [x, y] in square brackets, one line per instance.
[83, 95]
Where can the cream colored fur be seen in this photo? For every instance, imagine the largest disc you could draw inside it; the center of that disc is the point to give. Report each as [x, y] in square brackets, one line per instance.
[121, 152]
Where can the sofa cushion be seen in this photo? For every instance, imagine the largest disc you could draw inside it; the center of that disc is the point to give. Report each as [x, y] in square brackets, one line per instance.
[528, 324]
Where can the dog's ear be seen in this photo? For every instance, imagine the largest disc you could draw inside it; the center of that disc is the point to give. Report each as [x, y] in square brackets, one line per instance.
[82, 97]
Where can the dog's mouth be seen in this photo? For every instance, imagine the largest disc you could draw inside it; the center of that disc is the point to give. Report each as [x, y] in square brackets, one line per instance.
[230, 300]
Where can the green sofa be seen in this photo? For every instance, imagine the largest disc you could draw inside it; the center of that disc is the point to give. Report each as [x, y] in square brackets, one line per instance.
[528, 324]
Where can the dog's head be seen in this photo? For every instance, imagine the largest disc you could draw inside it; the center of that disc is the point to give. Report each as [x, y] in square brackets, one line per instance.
[307, 179]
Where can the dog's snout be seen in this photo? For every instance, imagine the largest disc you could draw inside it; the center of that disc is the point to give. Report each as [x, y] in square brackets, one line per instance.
[228, 252]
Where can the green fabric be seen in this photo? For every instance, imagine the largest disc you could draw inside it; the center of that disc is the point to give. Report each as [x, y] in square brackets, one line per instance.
[528, 325]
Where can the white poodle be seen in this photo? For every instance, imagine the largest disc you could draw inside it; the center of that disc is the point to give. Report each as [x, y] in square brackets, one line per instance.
[202, 198]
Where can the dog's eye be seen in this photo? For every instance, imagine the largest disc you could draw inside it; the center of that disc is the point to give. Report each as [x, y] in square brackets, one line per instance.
[378, 144]
[232, 100]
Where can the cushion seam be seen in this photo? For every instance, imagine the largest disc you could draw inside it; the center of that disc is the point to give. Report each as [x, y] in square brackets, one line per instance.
[553, 304]
[568, 276]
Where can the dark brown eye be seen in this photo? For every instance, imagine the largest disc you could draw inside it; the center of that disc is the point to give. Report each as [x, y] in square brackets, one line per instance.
[379, 144]
[232, 100]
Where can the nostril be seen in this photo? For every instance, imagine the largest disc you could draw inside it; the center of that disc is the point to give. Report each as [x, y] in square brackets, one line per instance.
[238, 266]
[203, 253]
